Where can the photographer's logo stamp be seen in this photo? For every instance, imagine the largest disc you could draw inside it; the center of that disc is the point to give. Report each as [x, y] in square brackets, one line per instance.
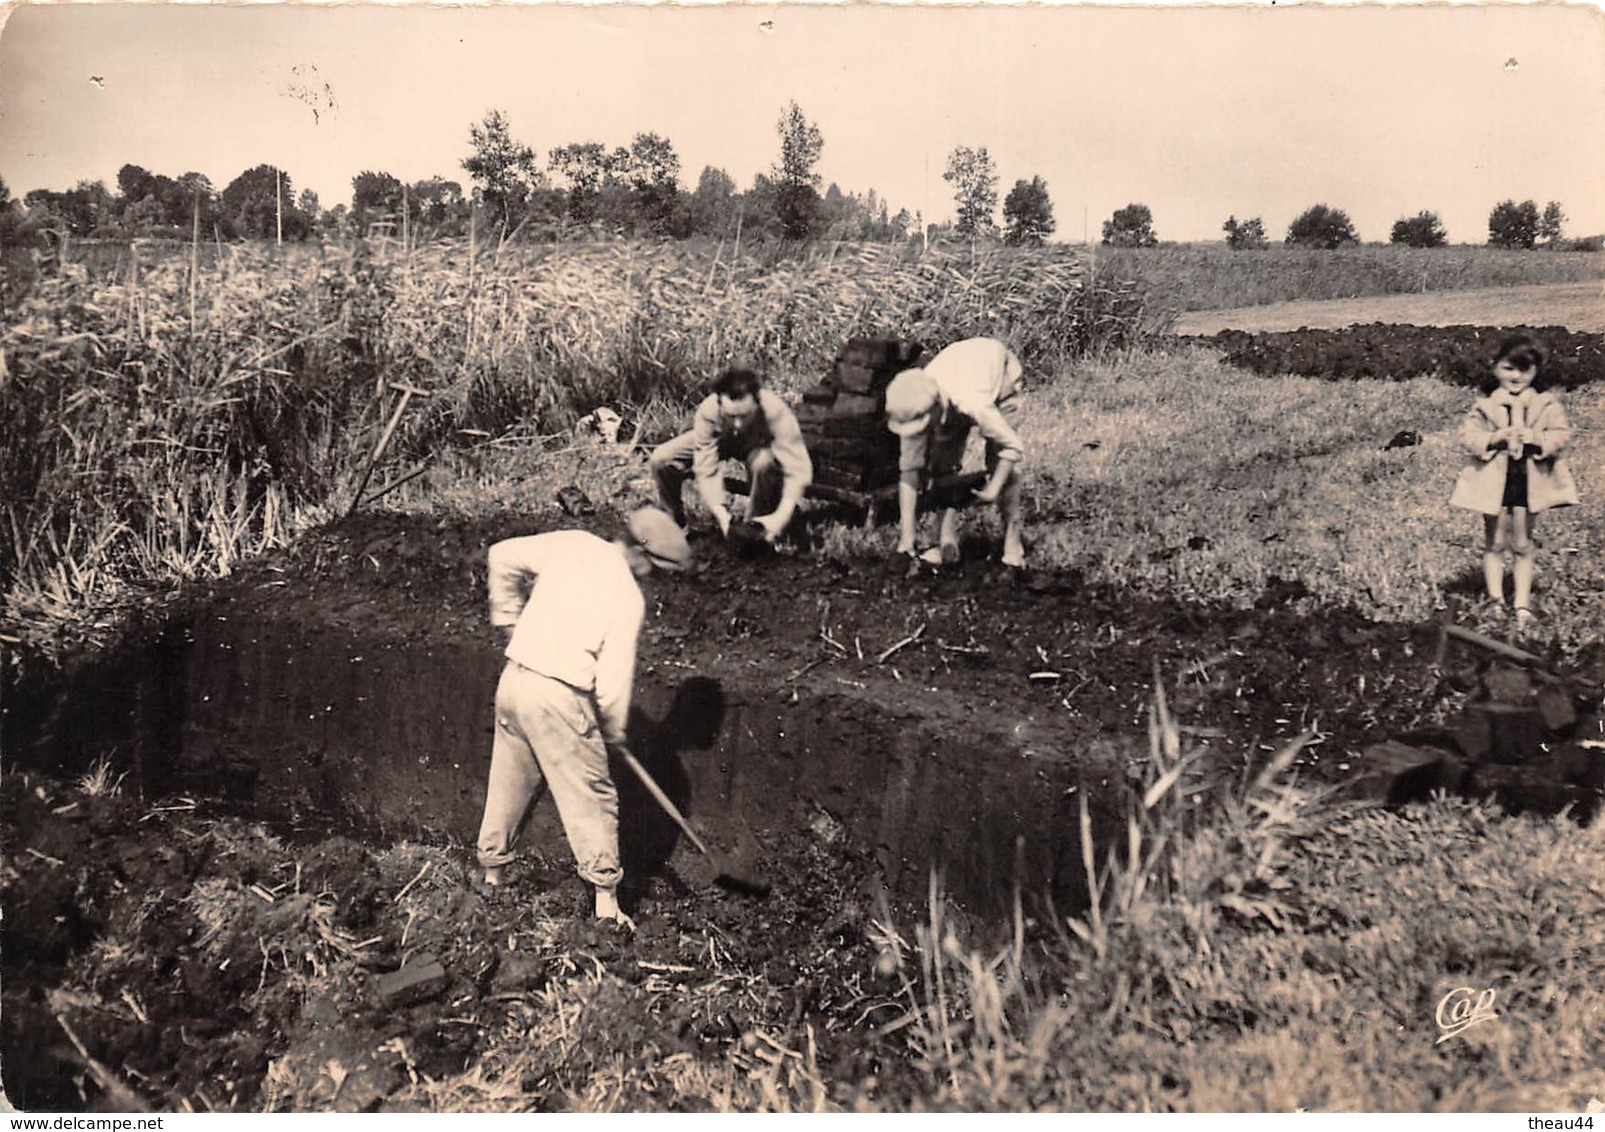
[1461, 1009]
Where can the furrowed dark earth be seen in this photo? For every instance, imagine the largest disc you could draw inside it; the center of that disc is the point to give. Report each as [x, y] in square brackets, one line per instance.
[290, 735]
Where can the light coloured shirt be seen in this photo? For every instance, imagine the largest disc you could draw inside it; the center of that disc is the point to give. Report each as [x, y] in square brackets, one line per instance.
[774, 426]
[581, 618]
[972, 377]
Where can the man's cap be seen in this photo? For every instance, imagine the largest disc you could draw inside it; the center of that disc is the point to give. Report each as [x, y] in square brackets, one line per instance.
[662, 540]
[909, 400]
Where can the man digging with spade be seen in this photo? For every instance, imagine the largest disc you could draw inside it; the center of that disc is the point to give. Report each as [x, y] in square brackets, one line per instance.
[564, 696]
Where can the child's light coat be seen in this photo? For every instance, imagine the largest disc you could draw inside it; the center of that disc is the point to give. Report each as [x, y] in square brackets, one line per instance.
[1481, 484]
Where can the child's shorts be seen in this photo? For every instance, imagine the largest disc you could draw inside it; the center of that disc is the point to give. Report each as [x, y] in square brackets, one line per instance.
[1515, 484]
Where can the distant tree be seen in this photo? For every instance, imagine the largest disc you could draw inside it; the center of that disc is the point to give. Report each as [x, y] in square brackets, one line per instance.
[82, 210]
[758, 203]
[1028, 213]
[194, 199]
[135, 183]
[887, 228]
[975, 190]
[1246, 236]
[255, 202]
[796, 181]
[1423, 230]
[334, 221]
[838, 217]
[1549, 224]
[651, 172]
[1321, 227]
[437, 203]
[152, 202]
[503, 170]
[713, 204]
[17, 227]
[307, 202]
[22, 238]
[375, 198]
[581, 169]
[1130, 227]
[1512, 225]
[143, 216]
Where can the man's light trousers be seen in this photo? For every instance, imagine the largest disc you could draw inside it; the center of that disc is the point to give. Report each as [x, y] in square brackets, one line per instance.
[547, 732]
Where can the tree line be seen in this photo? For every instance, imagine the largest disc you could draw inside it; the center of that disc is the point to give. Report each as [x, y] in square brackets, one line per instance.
[632, 190]
[1510, 225]
[636, 190]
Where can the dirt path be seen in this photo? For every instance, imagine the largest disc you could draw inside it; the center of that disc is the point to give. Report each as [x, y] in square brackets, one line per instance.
[1576, 306]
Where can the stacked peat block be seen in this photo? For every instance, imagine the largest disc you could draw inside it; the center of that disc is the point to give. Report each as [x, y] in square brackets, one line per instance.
[1528, 739]
[843, 417]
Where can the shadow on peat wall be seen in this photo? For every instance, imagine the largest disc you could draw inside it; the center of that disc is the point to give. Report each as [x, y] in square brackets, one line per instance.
[353, 732]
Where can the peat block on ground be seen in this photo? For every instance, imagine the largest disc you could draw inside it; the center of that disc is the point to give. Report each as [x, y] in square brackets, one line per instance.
[1521, 740]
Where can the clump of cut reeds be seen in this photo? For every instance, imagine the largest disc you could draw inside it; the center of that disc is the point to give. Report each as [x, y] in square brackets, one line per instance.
[100, 780]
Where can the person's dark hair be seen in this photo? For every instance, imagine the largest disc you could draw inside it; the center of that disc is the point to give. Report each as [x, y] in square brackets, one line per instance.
[737, 382]
[1522, 350]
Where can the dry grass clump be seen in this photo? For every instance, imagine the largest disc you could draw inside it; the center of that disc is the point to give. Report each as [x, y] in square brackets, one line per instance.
[1282, 953]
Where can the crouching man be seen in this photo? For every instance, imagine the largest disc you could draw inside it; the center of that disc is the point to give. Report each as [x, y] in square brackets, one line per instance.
[739, 420]
[973, 384]
[564, 695]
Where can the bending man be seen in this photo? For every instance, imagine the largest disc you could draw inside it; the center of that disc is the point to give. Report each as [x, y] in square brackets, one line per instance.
[739, 420]
[564, 695]
[971, 384]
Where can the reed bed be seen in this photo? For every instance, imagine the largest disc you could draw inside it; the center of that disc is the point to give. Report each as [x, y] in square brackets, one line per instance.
[166, 418]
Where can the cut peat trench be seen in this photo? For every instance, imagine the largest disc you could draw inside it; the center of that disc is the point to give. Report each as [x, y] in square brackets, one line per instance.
[790, 708]
[344, 730]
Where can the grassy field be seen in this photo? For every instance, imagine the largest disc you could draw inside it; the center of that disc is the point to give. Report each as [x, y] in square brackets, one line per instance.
[1202, 277]
[1576, 306]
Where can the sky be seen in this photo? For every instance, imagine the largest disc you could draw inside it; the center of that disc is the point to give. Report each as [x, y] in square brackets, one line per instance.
[1198, 112]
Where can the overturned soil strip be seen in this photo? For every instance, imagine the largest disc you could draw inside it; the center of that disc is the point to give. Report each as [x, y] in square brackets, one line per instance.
[949, 719]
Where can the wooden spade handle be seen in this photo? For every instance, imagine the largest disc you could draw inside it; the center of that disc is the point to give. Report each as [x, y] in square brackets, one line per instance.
[663, 800]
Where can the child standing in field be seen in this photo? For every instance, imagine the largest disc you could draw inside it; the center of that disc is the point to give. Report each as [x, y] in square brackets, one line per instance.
[1513, 436]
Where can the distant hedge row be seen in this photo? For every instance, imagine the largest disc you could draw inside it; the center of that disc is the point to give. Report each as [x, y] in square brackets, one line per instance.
[1460, 355]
